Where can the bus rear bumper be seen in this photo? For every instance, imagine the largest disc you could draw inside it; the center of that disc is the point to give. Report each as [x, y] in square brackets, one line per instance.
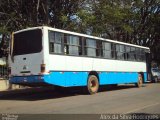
[35, 80]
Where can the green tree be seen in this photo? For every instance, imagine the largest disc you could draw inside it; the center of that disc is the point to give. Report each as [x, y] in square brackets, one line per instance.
[20, 14]
[131, 21]
[147, 25]
[61, 11]
[108, 19]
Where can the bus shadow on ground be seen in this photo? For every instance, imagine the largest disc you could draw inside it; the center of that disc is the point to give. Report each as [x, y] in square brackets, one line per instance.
[35, 94]
[118, 87]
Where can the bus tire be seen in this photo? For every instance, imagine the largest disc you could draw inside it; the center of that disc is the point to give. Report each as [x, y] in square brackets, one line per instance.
[140, 81]
[92, 85]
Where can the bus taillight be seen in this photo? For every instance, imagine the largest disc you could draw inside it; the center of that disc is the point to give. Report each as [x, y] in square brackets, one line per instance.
[43, 68]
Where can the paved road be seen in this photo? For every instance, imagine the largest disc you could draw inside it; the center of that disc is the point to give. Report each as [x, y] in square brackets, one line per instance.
[122, 99]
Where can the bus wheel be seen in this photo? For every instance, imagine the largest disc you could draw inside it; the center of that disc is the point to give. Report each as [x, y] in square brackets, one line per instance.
[93, 84]
[140, 81]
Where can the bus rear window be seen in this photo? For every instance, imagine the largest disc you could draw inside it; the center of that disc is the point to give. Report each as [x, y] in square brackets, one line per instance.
[27, 42]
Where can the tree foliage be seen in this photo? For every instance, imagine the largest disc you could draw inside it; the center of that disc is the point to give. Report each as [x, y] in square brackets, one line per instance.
[19, 14]
[132, 21]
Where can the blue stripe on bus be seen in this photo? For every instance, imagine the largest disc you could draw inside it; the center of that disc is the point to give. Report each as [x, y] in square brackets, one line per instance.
[69, 79]
[118, 77]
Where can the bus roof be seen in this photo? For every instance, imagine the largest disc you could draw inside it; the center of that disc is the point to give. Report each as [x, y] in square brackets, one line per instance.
[82, 35]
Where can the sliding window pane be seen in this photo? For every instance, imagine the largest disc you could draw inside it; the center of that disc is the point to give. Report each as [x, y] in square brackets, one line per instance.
[106, 46]
[57, 48]
[73, 40]
[73, 50]
[58, 37]
[91, 43]
[91, 52]
[107, 54]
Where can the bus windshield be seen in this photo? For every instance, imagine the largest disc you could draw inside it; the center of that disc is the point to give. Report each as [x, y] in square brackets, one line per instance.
[27, 42]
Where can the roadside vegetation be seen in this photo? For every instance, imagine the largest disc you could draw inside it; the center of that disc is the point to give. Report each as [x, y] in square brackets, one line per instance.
[131, 21]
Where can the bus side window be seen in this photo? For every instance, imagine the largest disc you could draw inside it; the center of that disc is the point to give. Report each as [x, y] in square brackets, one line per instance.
[55, 42]
[90, 47]
[132, 53]
[51, 41]
[127, 53]
[107, 53]
[72, 45]
[138, 57]
[122, 52]
[142, 55]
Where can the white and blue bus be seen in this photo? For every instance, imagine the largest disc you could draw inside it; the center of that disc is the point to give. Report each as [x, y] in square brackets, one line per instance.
[49, 56]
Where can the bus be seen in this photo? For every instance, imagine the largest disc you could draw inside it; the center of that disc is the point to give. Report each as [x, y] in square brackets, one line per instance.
[49, 56]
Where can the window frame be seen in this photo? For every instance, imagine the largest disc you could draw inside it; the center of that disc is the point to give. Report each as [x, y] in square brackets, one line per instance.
[107, 50]
[68, 45]
[90, 47]
[120, 55]
[53, 42]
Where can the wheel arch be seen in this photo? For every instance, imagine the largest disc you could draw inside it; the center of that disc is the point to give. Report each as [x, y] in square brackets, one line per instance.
[92, 83]
[94, 73]
[142, 74]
